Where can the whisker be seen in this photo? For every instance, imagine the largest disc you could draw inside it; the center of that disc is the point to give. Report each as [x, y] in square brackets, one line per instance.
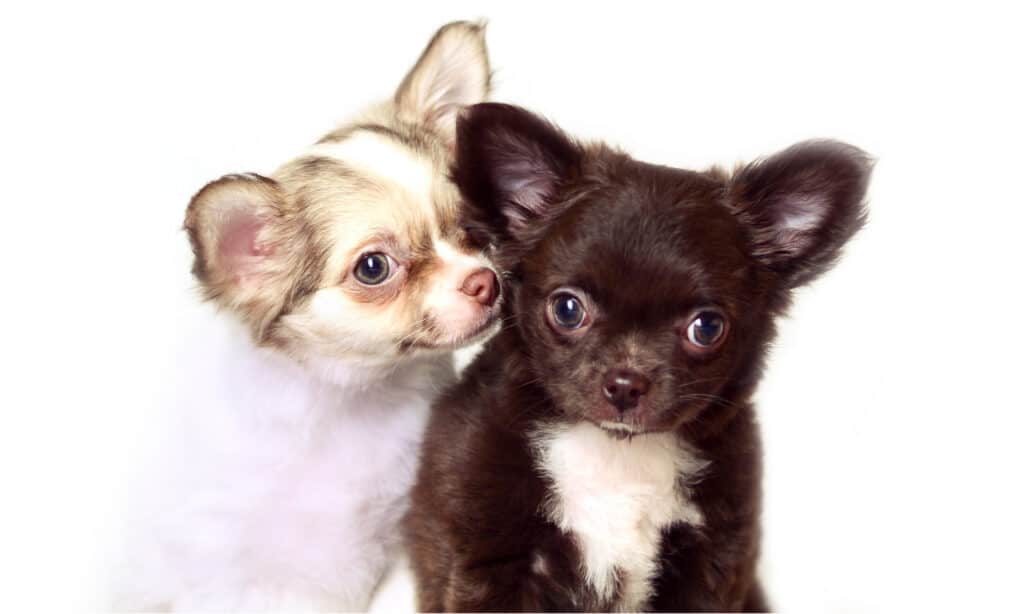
[710, 397]
[415, 330]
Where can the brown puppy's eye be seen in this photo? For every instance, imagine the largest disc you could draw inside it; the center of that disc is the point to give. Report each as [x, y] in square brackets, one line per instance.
[373, 269]
[706, 330]
[566, 311]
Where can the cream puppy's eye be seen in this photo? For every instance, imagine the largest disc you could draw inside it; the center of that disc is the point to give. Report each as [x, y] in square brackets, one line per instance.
[373, 269]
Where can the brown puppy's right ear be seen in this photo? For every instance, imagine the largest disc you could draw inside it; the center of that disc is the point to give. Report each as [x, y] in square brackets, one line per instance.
[453, 72]
[510, 165]
[234, 225]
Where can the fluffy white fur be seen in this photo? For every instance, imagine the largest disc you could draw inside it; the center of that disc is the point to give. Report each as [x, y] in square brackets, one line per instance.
[278, 491]
[382, 158]
[615, 496]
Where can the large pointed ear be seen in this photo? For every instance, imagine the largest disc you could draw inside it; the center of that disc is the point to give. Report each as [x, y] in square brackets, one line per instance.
[510, 165]
[235, 227]
[800, 206]
[453, 72]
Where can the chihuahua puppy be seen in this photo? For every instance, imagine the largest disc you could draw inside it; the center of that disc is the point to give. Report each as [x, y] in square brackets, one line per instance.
[602, 453]
[343, 283]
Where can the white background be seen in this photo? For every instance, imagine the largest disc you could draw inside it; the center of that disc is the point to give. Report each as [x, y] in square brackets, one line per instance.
[891, 410]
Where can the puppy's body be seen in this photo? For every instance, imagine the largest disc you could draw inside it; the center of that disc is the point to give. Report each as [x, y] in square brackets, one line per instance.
[280, 491]
[602, 452]
[341, 285]
[630, 523]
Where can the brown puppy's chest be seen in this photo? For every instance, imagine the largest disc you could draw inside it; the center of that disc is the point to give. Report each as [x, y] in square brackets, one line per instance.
[614, 498]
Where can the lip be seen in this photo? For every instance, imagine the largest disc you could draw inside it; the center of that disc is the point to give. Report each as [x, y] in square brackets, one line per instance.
[463, 340]
[485, 326]
[624, 428]
[619, 429]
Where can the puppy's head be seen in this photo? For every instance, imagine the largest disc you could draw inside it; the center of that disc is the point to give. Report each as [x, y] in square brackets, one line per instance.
[644, 295]
[352, 251]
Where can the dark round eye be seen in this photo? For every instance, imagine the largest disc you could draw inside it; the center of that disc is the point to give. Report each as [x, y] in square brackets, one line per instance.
[567, 310]
[705, 329]
[373, 269]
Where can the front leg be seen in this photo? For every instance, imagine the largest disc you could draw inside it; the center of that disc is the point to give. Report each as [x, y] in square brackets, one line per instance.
[501, 586]
[704, 574]
[540, 579]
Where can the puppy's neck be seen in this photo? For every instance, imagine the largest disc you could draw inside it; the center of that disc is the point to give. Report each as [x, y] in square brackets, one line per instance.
[343, 379]
[361, 375]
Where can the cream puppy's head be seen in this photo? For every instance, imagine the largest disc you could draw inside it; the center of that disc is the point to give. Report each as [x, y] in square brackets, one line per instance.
[352, 253]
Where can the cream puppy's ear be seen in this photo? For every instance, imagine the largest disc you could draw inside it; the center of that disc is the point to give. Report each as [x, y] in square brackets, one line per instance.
[453, 72]
[236, 227]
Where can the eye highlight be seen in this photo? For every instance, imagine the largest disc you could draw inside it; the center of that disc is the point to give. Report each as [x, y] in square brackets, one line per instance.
[566, 311]
[373, 268]
[706, 330]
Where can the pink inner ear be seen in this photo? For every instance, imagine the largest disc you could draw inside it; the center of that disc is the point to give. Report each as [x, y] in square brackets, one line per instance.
[525, 185]
[802, 213]
[798, 219]
[239, 249]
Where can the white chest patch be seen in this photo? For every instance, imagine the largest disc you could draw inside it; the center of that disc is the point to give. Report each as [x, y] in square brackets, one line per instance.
[615, 497]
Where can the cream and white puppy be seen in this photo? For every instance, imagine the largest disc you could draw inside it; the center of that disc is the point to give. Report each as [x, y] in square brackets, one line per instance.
[342, 284]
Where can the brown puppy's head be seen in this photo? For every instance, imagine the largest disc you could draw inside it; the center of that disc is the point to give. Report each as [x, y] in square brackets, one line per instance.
[645, 295]
[351, 253]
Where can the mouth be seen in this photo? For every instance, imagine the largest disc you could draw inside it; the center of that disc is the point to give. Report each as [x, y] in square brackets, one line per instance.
[619, 430]
[630, 424]
[486, 325]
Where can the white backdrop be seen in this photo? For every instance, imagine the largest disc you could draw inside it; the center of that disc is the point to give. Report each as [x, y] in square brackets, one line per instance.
[891, 409]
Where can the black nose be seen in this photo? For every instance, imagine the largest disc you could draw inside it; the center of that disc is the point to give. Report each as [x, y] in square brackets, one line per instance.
[623, 388]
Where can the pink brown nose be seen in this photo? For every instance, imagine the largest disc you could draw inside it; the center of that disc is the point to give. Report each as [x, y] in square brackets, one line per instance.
[624, 387]
[482, 285]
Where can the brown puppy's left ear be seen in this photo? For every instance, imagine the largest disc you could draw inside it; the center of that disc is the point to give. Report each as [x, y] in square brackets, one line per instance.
[453, 72]
[801, 206]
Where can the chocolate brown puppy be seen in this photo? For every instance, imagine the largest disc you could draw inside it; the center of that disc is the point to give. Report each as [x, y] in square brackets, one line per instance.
[602, 452]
